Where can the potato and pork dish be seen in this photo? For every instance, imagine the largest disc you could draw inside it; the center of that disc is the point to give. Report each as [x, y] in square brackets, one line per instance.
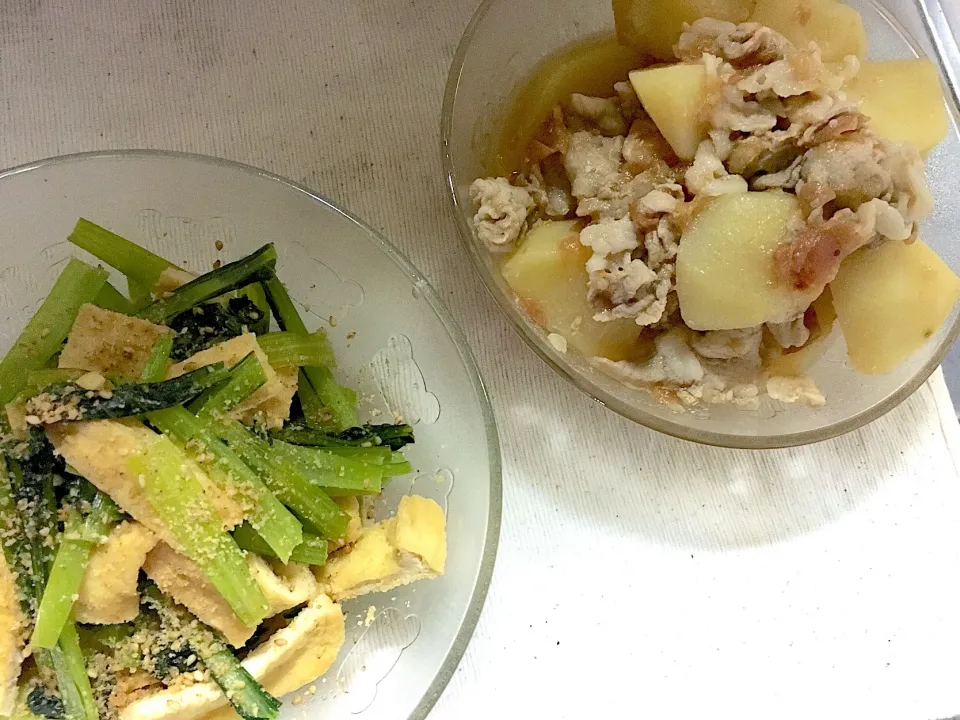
[738, 181]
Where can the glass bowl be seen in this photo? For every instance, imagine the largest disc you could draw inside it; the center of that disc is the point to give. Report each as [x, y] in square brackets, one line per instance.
[501, 47]
[396, 344]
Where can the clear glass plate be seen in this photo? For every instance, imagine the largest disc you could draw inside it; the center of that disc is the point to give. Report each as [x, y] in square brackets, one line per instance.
[395, 341]
[499, 50]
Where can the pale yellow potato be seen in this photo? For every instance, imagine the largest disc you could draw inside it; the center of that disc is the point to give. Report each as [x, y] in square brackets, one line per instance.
[890, 301]
[835, 27]
[904, 101]
[725, 276]
[654, 26]
[673, 97]
[549, 276]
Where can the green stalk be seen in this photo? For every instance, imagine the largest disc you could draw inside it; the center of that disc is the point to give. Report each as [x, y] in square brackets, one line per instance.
[246, 378]
[391, 436]
[26, 558]
[77, 285]
[125, 400]
[178, 498]
[155, 368]
[289, 349]
[109, 298]
[315, 413]
[341, 401]
[311, 551]
[336, 475]
[118, 252]
[241, 689]
[140, 294]
[80, 536]
[69, 662]
[257, 266]
[369, 455]
[279, 529]
[284, 477]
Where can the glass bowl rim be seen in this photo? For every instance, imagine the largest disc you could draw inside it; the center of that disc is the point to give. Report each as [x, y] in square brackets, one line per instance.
[492, 538]
[625, 409]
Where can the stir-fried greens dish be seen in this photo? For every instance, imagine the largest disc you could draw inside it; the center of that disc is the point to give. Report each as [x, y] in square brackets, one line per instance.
[184, 495]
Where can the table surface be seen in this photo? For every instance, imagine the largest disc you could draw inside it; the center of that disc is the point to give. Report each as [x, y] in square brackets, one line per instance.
[638, 575]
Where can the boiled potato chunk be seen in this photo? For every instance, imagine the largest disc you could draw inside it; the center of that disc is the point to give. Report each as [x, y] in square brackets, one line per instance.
[890, 301]
[835, 27]
[591, 68]
[725, 272]
[673, 97]
[654, 26]
[549, 276]
[903, 100]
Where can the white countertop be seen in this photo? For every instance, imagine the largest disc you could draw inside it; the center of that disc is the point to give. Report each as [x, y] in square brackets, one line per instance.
[638, 575]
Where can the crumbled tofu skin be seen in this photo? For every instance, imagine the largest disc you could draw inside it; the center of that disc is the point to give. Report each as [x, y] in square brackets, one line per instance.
[775, 117]
[351, 506]
[108, 592]
[104, 341]
[291, 658]
[284, 586]
[11, 639]
[177, 576]
[270, 404]
[408, 547]
[800, 389]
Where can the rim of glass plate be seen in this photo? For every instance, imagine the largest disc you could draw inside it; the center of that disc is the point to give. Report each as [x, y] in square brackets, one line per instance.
[541, 347]
[492, 538]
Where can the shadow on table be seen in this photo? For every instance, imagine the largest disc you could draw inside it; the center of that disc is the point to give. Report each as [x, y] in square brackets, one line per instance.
[691, 496]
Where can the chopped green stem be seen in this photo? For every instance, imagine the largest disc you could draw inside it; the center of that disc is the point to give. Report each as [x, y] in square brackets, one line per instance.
[277, 526]
[398, 465]
[68, 660]
[27, 559]
[391, 436]
[337, 475]
[257, 266]
[341, 401]
[246, 378]
[155, 369]
[315, 413]
[289, 349]
[311, 551]
[118, 252]
[177, 496]
[77, 285]
[71, 402]
[243, 692]
[109, 298]
[140, 294]
[16, 545]
[80, 537]
[369, 455]
[285, 478]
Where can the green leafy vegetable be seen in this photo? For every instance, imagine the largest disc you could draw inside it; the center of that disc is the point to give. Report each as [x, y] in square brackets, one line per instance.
[77, 285]
[72, 402]
[257, 266]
